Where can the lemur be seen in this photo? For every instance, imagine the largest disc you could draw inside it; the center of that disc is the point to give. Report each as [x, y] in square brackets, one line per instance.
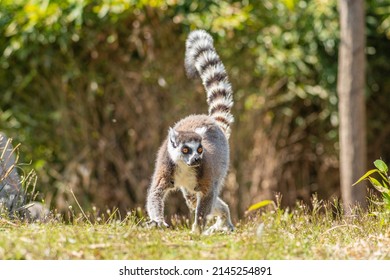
[195, 156]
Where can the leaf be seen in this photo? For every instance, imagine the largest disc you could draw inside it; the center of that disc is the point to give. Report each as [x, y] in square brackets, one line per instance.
[381, 166]
[378, 185]
[259, 205]
[386, 197]
[386, 200]
[290, 4]
[368, 173]
[384, 176]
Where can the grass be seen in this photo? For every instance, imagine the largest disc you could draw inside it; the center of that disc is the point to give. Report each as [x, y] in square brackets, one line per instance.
[302, 233]
[316, 232]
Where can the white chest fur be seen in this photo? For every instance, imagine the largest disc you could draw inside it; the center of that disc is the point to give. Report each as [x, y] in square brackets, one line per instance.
[185, 177]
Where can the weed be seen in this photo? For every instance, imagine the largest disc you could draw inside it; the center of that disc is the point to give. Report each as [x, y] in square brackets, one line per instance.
[382, 184]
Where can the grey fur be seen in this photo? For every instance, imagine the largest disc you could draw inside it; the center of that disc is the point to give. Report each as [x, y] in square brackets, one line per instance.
[195, 155]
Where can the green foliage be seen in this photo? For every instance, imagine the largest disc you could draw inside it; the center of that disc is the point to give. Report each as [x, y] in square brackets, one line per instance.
[382, 167]
[382, 186]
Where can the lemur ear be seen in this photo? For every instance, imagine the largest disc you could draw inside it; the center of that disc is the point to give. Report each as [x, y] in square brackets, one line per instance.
[173, 136]
[201, 130]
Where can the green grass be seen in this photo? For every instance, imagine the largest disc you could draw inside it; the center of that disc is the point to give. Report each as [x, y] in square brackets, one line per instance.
[302, 233]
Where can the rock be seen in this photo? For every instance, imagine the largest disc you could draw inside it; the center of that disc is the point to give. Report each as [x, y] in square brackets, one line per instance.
[36, 211]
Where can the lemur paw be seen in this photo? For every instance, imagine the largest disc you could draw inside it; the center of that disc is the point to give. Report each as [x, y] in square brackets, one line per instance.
[218, 229]
[156, 224]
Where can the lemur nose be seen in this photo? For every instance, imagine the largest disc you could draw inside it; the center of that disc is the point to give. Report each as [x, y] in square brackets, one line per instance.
[195, 161]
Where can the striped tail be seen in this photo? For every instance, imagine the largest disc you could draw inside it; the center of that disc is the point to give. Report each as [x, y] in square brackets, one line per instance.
[202, 58]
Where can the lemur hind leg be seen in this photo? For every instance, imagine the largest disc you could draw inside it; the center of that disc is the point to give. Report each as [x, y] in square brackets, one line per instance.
[223, 223]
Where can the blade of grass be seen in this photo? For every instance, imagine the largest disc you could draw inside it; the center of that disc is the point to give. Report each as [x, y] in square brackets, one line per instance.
[81, 209]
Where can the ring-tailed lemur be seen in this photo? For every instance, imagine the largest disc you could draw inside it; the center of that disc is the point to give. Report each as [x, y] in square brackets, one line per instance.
[195, 155]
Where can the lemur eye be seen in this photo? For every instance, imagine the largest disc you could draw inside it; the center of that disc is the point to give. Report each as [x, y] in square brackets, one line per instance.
[200, 150]
[185, 150]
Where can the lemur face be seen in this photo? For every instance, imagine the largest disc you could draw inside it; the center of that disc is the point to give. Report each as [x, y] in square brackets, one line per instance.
[191, 153]
[185, 147]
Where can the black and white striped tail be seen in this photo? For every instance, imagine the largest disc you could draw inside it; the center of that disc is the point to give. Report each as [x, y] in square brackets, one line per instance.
[202, 58]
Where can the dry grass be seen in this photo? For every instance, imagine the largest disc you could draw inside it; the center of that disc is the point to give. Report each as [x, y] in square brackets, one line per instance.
[302, 233]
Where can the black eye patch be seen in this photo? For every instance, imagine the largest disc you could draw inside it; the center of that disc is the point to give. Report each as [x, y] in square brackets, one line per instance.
[186, 150]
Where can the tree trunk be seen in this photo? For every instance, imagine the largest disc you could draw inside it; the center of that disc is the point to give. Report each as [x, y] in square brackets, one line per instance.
[352, 112]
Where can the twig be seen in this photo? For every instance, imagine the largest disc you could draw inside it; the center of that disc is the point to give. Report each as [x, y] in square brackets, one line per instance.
[81, 209]
[8, 222]
[339, 226]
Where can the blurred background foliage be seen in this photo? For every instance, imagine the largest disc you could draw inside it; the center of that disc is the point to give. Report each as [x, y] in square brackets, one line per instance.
[90, 88]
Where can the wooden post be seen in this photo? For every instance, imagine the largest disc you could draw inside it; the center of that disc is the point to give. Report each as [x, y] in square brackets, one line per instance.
[352, 112]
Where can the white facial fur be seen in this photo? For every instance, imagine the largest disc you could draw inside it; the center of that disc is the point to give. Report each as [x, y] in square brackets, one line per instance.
[177, 154]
